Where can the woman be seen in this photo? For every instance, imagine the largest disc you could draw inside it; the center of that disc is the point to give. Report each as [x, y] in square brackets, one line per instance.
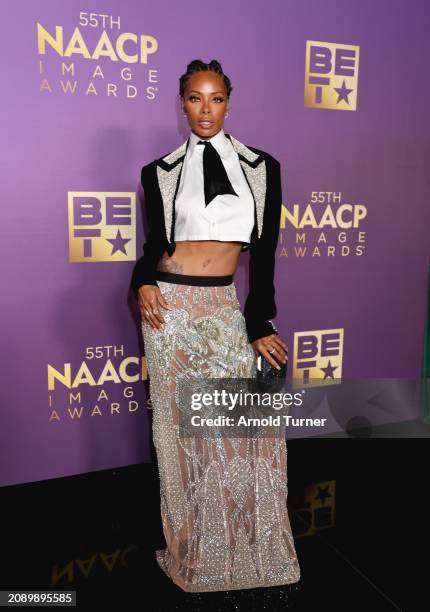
[223, 501]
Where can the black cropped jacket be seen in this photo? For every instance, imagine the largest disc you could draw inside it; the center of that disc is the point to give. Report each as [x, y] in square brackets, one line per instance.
[160, 181]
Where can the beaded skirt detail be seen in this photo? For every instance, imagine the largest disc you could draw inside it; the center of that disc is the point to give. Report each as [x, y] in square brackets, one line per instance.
[223, 500]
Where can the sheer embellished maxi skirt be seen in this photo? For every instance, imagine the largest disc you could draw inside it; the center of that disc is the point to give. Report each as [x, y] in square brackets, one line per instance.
[223, 500]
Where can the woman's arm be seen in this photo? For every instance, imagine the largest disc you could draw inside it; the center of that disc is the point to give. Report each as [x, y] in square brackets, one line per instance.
[144, 269]
[260, 304]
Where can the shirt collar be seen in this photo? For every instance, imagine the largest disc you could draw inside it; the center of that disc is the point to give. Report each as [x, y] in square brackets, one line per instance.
[220, 141]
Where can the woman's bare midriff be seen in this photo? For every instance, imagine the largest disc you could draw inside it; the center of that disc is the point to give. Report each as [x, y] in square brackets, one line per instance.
[202, 258]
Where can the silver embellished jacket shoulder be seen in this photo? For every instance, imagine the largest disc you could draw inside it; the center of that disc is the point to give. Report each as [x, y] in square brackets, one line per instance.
[160, 181]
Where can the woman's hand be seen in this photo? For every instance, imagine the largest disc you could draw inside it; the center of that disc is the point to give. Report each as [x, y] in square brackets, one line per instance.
[271, 346]
[150, 299]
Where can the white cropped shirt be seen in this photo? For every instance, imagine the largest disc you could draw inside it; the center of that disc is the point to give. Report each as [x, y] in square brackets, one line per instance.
[227, 217]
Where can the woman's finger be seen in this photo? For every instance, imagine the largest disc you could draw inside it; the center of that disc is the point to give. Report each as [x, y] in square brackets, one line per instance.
[155, 312]
[162, 300]
[269, 358]
[275, 338]
[280, 352]
[157, 319]
[145, 313]
[149, 315]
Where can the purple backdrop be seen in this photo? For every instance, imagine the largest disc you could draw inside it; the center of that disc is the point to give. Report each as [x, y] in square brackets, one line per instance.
[364, 285]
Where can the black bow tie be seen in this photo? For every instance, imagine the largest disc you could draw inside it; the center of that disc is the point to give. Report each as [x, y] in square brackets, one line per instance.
[215, 177]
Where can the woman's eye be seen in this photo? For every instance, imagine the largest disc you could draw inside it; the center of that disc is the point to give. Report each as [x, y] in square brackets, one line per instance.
[192, 98]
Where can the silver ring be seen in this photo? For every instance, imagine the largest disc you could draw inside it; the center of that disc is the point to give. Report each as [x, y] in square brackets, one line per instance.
[147, 313]
[272, 351]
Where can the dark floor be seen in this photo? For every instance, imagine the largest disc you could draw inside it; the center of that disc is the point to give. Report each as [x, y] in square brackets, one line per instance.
[96, 534]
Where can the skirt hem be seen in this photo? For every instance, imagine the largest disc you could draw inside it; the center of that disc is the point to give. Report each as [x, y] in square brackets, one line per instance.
[204, 588]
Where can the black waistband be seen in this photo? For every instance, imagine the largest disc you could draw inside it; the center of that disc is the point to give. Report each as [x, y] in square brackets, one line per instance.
[191, 279]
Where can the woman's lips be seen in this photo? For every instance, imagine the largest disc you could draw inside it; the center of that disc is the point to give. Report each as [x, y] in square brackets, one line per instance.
[206, 124]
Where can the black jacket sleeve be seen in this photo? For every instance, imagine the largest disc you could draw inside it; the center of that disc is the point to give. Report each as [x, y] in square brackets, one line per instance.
[260, 304]
[153, 247]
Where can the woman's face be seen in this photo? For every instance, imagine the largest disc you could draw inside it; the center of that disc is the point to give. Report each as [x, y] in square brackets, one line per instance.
[205, 103]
